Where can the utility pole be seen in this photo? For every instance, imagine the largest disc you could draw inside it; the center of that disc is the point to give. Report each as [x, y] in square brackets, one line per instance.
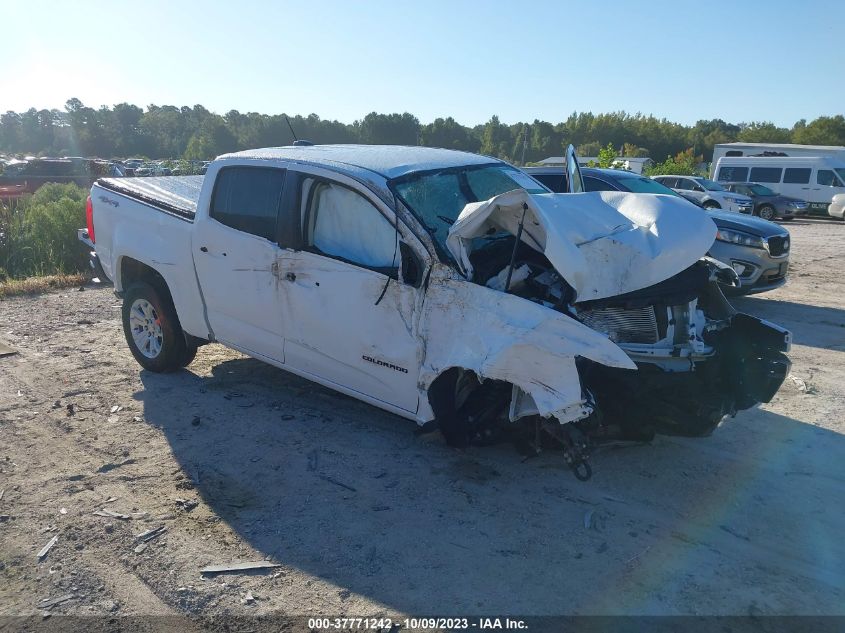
[524, 144]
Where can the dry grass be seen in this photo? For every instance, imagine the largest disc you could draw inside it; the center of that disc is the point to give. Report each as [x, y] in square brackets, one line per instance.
[36, 285]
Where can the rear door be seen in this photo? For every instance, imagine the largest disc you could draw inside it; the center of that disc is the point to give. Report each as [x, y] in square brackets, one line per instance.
[690, 188]
[348, 319]
[235, 251]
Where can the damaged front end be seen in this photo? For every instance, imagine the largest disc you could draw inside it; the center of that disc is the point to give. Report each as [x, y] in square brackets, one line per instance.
[593, 327]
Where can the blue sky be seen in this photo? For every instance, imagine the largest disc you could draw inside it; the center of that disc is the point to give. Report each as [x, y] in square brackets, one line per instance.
[740, 60]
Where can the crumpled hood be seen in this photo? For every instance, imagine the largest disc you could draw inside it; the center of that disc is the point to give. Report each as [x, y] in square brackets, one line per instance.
[603, 243]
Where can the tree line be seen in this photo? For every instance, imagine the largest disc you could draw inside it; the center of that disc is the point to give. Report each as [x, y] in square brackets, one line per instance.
[127, 130]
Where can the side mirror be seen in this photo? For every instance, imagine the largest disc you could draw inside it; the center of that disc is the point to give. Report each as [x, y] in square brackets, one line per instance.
[411, 267]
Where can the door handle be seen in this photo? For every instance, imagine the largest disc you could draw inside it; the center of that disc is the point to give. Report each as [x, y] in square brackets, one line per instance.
[290, 276]
[204, 249]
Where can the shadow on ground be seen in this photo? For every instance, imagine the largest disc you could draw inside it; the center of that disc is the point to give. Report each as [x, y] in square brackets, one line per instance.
[814, 326]
[348, 493]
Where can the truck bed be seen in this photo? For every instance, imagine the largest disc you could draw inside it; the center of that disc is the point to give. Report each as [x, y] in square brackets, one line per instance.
[173, 194]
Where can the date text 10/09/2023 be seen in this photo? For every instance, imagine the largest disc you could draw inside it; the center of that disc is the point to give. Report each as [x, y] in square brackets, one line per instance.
[386, 624]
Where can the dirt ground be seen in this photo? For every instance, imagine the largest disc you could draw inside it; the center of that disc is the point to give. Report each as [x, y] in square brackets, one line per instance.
[365, 517]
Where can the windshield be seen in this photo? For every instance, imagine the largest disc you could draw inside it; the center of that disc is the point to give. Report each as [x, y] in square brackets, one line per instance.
[709, 184]
[760, 190]
[438, 197]
[641, 184]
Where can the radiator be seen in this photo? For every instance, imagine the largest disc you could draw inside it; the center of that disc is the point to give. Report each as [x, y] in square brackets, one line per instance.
[624, 326]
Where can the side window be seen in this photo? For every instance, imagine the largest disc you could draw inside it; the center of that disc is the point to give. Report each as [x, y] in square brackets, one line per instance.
[827, 178]
[733, 152]
[672, 183]
[346, 225]
[555, 182]
[686, 184]
[765, 174]
[594, 184]
[735, 174]
[248, 199]
[796, 175]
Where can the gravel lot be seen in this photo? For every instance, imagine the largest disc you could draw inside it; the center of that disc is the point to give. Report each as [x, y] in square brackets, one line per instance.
[366, 517]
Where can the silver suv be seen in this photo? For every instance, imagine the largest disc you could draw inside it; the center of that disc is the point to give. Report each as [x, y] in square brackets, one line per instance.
[708, 194]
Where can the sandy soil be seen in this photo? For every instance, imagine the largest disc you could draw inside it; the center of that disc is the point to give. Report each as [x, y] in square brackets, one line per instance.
[748, 521]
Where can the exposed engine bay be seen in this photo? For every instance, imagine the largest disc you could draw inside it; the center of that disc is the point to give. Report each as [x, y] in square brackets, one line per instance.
[697, 359]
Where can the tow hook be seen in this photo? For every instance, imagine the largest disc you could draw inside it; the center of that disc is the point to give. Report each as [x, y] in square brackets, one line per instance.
[576, 448]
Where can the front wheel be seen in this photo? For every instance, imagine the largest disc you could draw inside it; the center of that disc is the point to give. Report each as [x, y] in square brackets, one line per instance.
[152, 329]
[767, 212]
[710, 204]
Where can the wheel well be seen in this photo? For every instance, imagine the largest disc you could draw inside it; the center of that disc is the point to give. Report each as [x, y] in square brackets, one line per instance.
[712, 203]
[465, 405]
[133, 271]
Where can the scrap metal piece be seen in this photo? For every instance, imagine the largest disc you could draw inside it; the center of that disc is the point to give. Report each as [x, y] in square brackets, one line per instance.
[238, 567]
[46, 549]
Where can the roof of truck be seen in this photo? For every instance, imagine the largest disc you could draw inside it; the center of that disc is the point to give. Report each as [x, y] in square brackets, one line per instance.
[389, 161]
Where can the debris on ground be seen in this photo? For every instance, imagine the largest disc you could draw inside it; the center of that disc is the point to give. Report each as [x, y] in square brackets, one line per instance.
[46, 549]
[187, 504]
[111, 514]
[48, 603]
[144, 538]
[5, 350]
[248, 598]
[803, 385]
[107, 467]
[334, 481]
[237, 567]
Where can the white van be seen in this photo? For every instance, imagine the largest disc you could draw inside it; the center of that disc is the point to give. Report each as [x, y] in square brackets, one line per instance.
[814, 179]
[777, 149]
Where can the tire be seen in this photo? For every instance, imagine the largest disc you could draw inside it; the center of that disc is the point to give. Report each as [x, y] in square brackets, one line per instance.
[152, 329]
[189, 355]
[767, 212]
[712, 204]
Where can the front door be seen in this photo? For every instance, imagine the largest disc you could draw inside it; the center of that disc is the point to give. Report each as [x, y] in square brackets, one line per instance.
[235, 251]
[348, 319]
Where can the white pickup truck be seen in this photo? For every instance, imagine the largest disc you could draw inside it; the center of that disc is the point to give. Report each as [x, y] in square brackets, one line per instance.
[445, 287]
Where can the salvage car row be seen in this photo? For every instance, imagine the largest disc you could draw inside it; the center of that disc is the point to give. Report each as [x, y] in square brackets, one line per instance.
[446, 287]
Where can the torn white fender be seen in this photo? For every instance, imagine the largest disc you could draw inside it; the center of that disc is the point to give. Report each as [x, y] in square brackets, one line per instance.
[504, 337]
[603, 243]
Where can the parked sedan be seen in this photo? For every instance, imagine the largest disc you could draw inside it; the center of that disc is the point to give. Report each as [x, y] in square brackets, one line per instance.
[709, 194]
[768, 204]
[758, 250]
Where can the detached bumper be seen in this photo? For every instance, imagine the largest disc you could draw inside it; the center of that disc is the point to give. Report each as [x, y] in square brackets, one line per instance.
[93, 259]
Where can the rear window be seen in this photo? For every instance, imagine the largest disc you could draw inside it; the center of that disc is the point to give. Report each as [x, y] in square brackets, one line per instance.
[733, 174]
[796, 175]
[248, 199]
[766, 174]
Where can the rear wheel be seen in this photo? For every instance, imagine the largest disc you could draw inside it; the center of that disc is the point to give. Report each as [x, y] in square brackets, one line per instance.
[152, 329]
[767, 212]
